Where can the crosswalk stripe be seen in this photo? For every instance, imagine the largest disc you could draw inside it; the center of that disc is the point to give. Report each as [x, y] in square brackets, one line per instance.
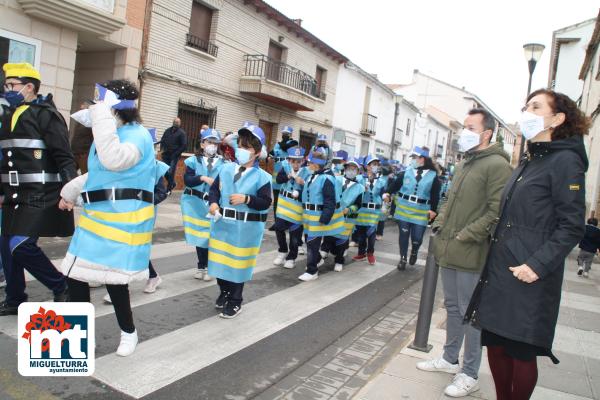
[167, 358]
[174, 284]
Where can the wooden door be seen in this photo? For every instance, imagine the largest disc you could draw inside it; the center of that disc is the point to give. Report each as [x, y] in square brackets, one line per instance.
[275, 58]
[307, 141]
[268, 129]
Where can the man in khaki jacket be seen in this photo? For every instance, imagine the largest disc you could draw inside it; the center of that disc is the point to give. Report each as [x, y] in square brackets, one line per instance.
[462, 241]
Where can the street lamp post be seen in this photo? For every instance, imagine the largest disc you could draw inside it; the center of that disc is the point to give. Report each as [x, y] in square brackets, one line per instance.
[533, 53]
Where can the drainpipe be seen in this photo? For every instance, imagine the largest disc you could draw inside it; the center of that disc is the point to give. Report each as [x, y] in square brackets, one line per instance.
[393, 147]
[144, 49]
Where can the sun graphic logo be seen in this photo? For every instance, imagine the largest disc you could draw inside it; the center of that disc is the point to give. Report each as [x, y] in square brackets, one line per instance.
[56, 339]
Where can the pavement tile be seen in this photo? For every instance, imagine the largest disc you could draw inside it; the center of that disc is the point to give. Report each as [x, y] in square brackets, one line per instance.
[349, 361]
[542, 393]
[579, 319]
[338, 368]
[403, 366]
[565, 381]
[321, 387]
[344, 394]
[387, 387]
[331, 378]
[306, 393]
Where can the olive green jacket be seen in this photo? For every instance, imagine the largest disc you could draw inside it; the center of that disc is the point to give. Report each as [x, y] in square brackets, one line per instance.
[467, 217]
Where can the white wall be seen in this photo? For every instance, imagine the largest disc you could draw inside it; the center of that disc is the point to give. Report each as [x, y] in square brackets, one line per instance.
[570, 59]
[405, 114]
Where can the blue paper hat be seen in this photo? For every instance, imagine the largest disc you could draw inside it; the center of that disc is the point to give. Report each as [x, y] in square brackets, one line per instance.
[420, 151]
[210, 134]
[255, 130]
[369, 159]
[100, 93]
[354, 161]
[296, 153]
[152, 132]
[287, 129]
[314, 160]
[322, 137]
[340, 155]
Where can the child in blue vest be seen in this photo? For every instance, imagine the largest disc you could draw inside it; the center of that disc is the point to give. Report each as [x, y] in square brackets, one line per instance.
[417, 195]
[289, 212]
[368, 214]
[337, 168]
[200, 173]
[279, 154]
[352, 191]
[239, 199]
[322, 214]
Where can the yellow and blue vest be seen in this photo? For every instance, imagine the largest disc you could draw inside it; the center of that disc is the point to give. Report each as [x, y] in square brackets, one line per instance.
[118, 233]
[372, 195]
[312, 194]
[349, 195]
[277, 153]
[409, 210]
[290, 209]
[234, 244]
[196, 226]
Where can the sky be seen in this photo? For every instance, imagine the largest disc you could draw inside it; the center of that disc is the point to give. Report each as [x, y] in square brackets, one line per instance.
[475, 44]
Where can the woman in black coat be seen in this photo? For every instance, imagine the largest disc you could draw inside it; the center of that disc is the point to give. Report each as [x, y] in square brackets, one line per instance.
[542, 217]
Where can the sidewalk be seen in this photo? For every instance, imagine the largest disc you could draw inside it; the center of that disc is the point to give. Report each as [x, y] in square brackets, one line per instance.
[577, 346]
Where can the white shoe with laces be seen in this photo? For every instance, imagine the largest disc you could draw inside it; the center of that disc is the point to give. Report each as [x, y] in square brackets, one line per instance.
[301, 250]
[152, 284]
[289, 264]
[438, 365]
[199, 274]
[353, 244]
[462, 385]
[207, 277]
[128, 343]
[308, 277]
[280, 259]
[338, 267]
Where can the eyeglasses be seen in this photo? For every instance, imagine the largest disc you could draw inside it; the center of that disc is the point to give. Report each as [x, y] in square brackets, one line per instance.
[11, 85]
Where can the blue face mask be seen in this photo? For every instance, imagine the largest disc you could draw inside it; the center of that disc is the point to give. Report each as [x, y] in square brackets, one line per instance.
[414, 163]
[242, 156]
[338, 167]
[14, 98]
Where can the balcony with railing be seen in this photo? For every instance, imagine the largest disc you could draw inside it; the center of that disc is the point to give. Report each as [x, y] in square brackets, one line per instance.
[369, 125]
[279, 83]
[202, 45]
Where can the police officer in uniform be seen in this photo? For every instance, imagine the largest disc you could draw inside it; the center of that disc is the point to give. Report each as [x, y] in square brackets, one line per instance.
[36, 163]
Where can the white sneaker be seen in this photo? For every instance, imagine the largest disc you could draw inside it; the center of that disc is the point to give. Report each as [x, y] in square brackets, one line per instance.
[301, 250]
[152, 284]
[345, 253]
[107, 299]
[353, 244]
[280, 259]
[199, 274]
[128, 343]
[438, 365]
[320, 263]
[586, 274]
[324, 254]
[462, 385]
[308, 277]
[289, 264]
[207, 277]
[338, 267]
[94, 284]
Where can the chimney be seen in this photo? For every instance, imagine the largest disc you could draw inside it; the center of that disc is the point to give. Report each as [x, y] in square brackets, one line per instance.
[297, 21]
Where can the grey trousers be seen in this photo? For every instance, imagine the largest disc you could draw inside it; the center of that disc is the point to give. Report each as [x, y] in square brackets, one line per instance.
[585, 259]
[458, 288]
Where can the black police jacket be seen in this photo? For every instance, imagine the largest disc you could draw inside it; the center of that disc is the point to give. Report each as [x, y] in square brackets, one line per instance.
[36, 163]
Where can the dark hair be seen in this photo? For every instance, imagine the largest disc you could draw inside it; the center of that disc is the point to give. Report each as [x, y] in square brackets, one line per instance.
[36, 83]
[125, 90]
[247, 139]
[489, 122]
[592, 221]
[576, 123]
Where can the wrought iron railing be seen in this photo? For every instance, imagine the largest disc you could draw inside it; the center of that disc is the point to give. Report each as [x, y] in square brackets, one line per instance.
[265, 67]
[369, 124]
[203, 45]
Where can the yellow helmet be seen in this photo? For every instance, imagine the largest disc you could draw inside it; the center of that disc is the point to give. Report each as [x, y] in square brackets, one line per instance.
[21, 70]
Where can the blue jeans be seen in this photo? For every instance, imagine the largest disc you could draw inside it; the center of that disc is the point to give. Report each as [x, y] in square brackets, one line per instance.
[411, 231]
[366, 239]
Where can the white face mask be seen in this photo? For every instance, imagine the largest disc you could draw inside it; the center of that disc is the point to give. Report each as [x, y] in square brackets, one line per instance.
[531, 124]
[210, 149]
[467, 140]
[350, 173]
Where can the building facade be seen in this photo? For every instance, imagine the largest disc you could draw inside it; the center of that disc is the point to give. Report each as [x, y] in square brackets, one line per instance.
[405, 129]
[223, 62]
[73, 44]
[566, 57]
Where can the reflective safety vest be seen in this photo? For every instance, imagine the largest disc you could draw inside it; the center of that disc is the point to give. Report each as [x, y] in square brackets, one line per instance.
[412, 201]
[350, 191]
[118, 233]
[312, 199]
[368, 214]
[234, 243]
[278, 153]
[288, 208]
[196, 226]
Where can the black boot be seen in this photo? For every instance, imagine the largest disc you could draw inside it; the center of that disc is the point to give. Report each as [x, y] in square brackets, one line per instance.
[6, 309]
[221, 300]
[413, 258]
[402, 263]
[62, 296]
